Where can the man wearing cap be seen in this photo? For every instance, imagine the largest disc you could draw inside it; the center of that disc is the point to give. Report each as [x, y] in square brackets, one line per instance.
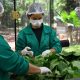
[12, 62]
[37, 38]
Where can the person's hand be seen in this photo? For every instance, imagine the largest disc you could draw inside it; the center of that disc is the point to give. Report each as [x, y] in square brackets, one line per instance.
[45, 70]
[46, 52]
[26, 51]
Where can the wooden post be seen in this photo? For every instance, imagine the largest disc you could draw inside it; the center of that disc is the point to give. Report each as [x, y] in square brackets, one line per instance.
[15, 23]
[51, 12]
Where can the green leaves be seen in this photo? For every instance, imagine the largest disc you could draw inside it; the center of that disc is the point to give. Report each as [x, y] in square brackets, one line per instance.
[53, 64]
[63, 66]
[76, 64]
[72, 50]
[71, 17]
[65, 16]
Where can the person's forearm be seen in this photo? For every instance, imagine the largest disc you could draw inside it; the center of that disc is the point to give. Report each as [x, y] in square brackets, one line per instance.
[53, 50]
[33, 69]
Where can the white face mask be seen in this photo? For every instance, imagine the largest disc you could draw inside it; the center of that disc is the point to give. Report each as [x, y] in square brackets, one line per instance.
[36, 23]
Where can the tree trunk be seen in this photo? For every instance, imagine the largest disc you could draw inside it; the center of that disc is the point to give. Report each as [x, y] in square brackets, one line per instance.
[70, 34]
[77, 35]
[33, 1]
[51, 12]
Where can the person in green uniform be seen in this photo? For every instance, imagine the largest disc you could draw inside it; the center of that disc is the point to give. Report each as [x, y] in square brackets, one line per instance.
[12, 62]
[37, 38]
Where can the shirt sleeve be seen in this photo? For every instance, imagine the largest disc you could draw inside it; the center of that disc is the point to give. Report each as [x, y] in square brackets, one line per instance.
[21, 42]
[11, 61]
[55, 42]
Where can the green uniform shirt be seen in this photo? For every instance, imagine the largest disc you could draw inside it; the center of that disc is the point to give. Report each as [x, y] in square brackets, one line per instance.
[26, 37]
[10, 62]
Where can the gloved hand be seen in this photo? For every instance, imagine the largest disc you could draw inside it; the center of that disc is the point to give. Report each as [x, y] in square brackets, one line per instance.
[26, 51]
[46, 52]
[45, 70]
